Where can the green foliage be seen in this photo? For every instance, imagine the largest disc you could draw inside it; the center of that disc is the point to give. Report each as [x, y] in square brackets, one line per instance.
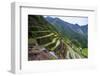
[52, 58]
[46, 35]
[85, 52]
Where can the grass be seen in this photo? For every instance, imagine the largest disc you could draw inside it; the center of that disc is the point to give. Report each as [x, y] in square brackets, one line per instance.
[85, 51]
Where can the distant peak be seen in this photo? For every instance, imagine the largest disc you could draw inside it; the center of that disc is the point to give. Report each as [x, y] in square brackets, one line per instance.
[84, 25]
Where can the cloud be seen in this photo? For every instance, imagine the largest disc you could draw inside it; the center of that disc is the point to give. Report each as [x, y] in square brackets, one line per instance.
[73, 20]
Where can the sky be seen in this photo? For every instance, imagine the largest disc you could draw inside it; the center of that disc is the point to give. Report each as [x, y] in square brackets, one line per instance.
[74, 20]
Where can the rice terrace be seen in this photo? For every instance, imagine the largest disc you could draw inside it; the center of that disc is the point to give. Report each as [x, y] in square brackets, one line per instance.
[57, 37]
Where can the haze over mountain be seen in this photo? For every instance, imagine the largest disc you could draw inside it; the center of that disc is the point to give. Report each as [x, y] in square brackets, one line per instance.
[73, 31]
[53, 34]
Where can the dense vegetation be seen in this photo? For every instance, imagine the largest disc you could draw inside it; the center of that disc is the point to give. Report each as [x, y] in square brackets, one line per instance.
[64, 42]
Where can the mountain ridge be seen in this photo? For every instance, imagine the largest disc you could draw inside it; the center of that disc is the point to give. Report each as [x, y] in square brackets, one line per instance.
[73, 31]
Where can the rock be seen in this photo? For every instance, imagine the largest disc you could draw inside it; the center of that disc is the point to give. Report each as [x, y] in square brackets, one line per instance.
[40, 53]
[53, 54]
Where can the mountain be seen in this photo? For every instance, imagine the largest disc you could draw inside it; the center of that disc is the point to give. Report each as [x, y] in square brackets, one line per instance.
[75, 27]
[72, 31]
[55, 35]
[84, 29]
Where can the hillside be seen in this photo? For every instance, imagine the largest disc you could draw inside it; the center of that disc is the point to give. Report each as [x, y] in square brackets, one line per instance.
[63, 41]
[72, 31]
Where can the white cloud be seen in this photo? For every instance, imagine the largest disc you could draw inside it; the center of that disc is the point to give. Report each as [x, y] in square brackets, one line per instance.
[74, 20]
